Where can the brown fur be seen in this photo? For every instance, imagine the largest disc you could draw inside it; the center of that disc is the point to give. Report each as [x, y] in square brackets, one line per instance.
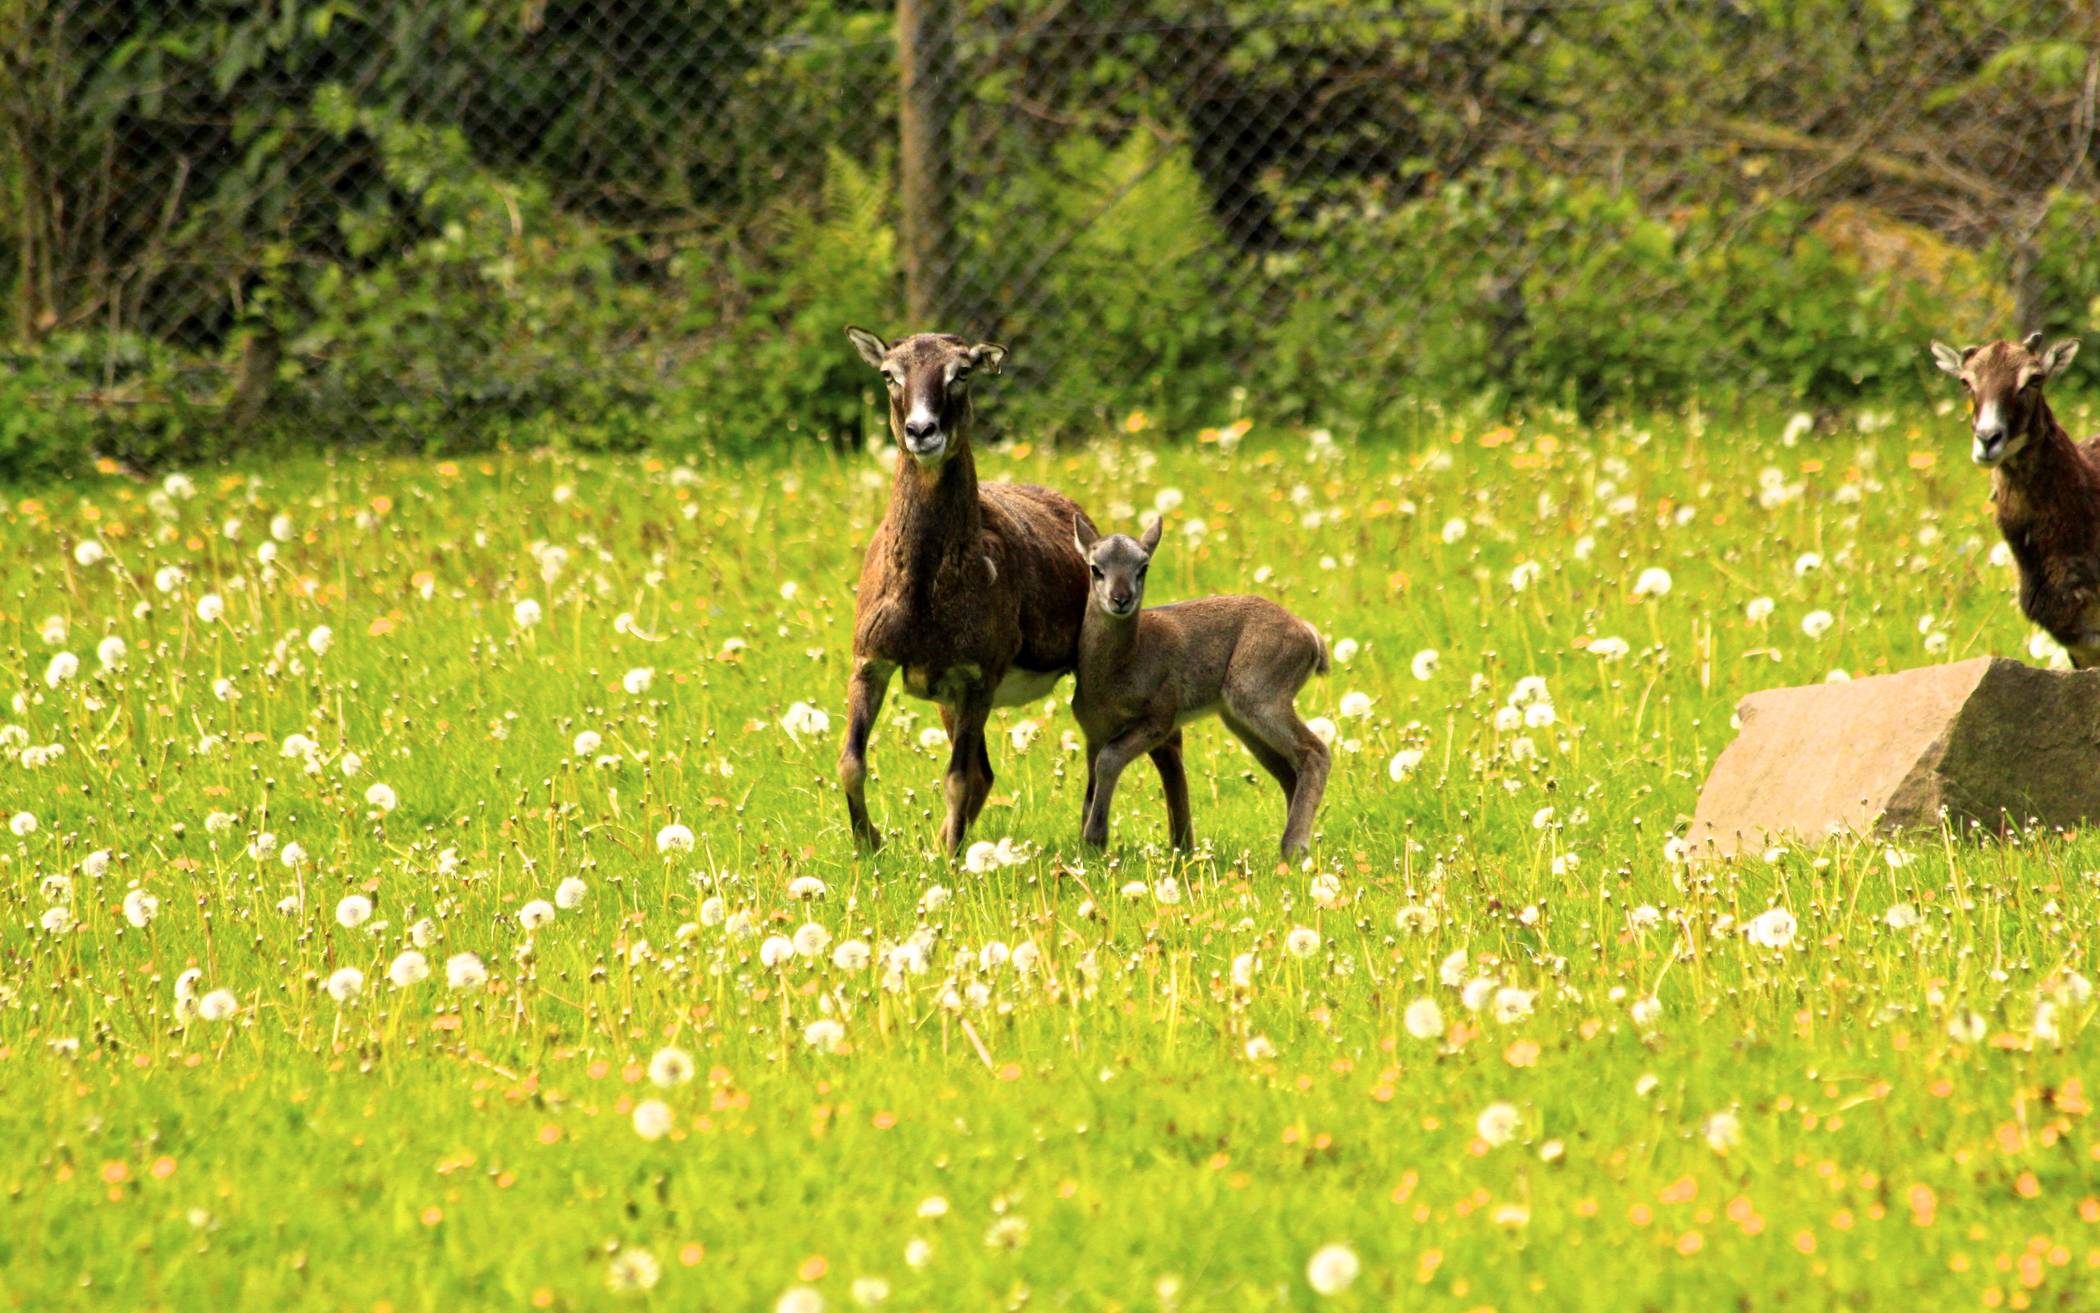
[1143, 674]
[963, 584]
[2046, 492]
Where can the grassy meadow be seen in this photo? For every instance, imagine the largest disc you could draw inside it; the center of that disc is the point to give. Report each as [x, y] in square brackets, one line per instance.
[425, 888]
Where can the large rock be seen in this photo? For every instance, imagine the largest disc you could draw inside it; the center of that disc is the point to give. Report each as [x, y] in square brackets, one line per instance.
[1989, 740]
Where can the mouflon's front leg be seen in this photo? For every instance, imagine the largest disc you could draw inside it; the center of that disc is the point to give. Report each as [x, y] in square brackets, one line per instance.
[869, 684]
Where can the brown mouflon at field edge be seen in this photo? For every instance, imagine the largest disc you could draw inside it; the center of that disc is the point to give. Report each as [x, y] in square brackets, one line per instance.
[2045, 487]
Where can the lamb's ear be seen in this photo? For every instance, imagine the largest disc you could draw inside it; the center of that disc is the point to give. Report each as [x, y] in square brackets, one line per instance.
[1084, 537]
[2056, 358]
[988, 356]
[1948, 359]
[872, 348]
[1150, 542]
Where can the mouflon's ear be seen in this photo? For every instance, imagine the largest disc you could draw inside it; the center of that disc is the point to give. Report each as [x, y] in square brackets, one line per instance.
[1948, 359]
[872, 348]
[988, 356]
[1083, 536]
[2056, 358]
[1150, 542]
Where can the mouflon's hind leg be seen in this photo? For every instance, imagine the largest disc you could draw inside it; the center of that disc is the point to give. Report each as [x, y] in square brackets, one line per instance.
[1277, 725]
[1275, 763]
[1174, 779]
[868, 685]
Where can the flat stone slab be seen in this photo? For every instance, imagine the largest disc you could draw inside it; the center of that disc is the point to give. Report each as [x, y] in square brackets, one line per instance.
[1989, 739]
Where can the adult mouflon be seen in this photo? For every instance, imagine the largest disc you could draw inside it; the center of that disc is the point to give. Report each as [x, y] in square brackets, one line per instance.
[1144, 673]
[972, 591]
[2045, 488]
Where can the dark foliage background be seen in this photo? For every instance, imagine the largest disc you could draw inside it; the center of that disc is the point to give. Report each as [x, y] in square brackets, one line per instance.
[444, 223]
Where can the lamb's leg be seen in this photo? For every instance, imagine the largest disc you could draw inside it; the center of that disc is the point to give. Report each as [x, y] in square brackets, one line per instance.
[869, 684]
[1115, 754]
[969, 777]
[1276, 723]
[1270, 760]
[1167, 757]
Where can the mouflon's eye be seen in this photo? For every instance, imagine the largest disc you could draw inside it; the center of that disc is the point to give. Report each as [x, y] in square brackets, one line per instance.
[1096, 569]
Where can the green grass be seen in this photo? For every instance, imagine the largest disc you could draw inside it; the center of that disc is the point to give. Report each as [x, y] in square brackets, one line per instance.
[1123, 1125]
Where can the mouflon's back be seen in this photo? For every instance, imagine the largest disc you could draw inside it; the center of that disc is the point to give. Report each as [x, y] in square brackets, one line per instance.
[1033, 529]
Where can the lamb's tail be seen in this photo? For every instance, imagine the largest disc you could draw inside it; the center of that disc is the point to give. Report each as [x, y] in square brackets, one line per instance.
[1320, 650]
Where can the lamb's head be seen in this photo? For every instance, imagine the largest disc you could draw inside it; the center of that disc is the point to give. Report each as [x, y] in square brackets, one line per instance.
[928, 377]
[2004, 383]
[1117, 564]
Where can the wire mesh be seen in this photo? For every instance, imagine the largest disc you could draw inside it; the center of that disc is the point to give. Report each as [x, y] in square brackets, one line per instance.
[431, 219]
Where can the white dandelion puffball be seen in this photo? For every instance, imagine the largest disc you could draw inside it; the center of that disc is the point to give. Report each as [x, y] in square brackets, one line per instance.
[824, 1035]
[535, 914]
[56, 920]
[320, 640]
[1759, 609]
[652, 1119]
[1333, 1269]
[62, 667]
[674, 838]
[799, 1299]
[852, 955]
[638, 680]
[1355, 705]
[411, 968]
[1302, 942]
[353, 911]
[1817, 623]
[465, 971]
[1900, 916]
[1454, 530]
[803, 719]
[805, 887]
[526, 613]
[1424, 1019]
[1345, 650]
[1611, 648]
[981, 857]
[96, 864]
[1403, 764]
[1772, 929]
[382, 797]
[87, 553]
[211, 608]
[23, 824]
[777, 950]
[1653, 582]
[935, 898]
[671, 1067]
[569, 894]
[811, 939]
[1323, 729]
[1499, 1123]
[587, 743]
[1723, 1131]
[140, 908]
[218, 1005]
[111, 652]
[346, 984]
[1425, 663]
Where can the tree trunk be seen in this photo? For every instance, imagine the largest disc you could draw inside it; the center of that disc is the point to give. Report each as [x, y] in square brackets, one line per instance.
[926, 57]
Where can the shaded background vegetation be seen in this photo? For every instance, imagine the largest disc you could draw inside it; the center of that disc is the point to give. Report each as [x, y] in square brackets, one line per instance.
[453, 222]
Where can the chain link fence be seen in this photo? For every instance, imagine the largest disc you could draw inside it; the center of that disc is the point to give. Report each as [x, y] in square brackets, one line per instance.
[453, 221]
